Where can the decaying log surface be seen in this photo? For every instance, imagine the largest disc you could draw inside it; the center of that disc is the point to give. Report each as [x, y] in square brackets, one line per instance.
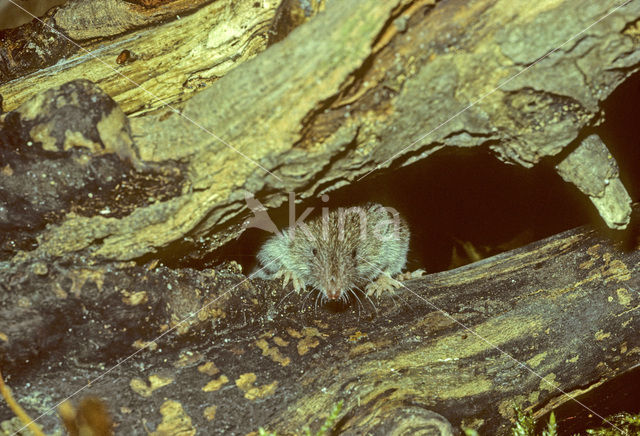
[84, 189]
[125, 48]
[365, 85]
[461, 346]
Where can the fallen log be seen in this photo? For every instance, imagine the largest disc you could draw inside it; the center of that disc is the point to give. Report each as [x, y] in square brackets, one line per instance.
[461, 347]
[86, 189]
[378, 91]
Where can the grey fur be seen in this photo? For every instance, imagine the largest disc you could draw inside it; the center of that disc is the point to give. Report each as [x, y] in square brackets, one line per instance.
[331, 253]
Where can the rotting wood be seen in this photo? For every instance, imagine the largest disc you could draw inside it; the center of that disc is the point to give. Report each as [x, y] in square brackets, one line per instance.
[169, 60]
[383, 75]
[592, 168]
[451, 345]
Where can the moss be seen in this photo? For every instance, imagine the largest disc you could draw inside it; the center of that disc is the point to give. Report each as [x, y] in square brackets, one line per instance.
[323, 431]
[624, 423]
[615, 425]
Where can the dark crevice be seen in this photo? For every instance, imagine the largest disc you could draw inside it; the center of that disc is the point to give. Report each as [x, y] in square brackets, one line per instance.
[462, 204]
[453, 199]
[619, 394]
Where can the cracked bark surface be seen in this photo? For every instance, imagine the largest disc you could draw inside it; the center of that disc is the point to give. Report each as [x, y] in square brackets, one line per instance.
[377, 91]
[445, 351]
[365, 85]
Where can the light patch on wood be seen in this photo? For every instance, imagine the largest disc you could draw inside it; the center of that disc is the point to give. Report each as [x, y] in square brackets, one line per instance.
[358, 336]
[77, 139]
[210, 413]
[273, 353]
[593, 251]
[208, 368]
[536, 360]
[434, 321]
[140, 344]
[42, 133]
[246, 380]
[601, 335]
[306, 344]
[216, 384]
[174, 421]
[4, 337]
[615, 270]
[548, 383]
[134, 298]
[587, 264]
[280, 342]
[494, 332]
[188, 358]
[309, 340]
[367, 347]
[624, 296]
[245, 383]
[212, 312]
[114, 134]
[321, 324]
[463, 390]
[263, 391]
[81, 276]
[155, 382]
[59, 292]
[24, 302]
[294, 333]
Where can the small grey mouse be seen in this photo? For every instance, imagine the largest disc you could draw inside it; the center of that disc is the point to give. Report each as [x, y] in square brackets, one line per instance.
[342, 250]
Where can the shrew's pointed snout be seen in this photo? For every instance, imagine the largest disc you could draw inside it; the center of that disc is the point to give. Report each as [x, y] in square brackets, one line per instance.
[333, 290]
[333, 294]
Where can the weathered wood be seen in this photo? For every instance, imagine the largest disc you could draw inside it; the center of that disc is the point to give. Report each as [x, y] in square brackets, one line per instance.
[312, 114]
[69, 151]
[167, 62]
[355, 89]
[467, 344]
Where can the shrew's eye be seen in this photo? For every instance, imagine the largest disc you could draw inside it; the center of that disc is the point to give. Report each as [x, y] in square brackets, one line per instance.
[354, 253]
[315, 251]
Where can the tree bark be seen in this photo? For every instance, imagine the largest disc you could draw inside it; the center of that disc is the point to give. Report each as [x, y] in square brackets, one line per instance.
[144, 54]
[89, 183]
[375, 92]
[462, 346]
